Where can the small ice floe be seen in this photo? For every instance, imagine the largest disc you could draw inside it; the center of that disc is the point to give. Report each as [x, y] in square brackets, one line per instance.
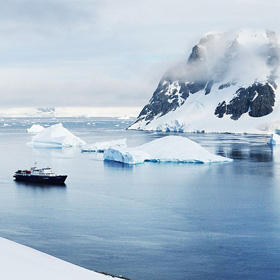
[166, 149]
[100, 147]
[6, 124]
[274, 139]
[56, 136]
[35, 128]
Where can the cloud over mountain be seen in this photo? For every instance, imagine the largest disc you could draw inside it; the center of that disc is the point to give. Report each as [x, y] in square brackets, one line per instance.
[227, 78]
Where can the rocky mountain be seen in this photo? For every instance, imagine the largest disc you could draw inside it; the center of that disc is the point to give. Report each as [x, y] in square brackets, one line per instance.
[229, 83]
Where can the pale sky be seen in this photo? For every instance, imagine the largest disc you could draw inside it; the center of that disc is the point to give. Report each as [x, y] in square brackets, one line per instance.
[107, 52]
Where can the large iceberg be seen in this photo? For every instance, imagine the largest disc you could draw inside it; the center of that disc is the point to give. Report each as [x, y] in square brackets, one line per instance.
[56, 136]
[21, 262]
[35, 128]
[100, 147]
[166, 149]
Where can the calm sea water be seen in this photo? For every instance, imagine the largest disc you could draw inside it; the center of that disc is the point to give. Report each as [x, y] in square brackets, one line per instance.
[150, 221]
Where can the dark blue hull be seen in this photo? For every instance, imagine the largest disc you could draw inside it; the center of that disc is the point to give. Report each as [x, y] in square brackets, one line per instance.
[55, 180]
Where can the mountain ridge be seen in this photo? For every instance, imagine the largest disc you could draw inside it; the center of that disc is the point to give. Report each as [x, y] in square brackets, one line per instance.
[239, 73]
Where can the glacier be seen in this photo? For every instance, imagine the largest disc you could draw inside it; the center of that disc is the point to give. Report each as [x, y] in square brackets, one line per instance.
[56, 136]
[167, 149]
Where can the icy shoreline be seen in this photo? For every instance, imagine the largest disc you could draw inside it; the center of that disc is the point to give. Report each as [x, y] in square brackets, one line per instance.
[201, 132]
[22, 262]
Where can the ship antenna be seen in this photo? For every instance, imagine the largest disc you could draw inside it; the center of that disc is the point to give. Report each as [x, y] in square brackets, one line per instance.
[35, 163]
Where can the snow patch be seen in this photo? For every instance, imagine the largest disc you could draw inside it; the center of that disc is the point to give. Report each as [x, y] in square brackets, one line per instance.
[251, 37]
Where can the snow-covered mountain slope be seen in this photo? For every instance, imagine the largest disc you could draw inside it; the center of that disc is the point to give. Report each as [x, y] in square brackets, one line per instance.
[228, 84]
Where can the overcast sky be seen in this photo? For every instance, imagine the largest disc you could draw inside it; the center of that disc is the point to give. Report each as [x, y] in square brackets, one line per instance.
[107, 52]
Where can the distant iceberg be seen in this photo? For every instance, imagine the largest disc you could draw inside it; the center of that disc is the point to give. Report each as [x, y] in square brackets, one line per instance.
[125, 117]
[100, 147]
[166, 149]
[274, 139]
[56, 136]
[35, 128]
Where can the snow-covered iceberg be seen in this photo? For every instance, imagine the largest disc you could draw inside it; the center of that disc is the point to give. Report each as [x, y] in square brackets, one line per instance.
[35, 128]
[21, 262]
[56, 136]
[166, 149]
[100, 147]
[274, 139]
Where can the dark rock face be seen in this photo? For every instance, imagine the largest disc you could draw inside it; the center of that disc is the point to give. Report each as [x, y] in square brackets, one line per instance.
[195, 55]
[262, 102]
[184, 91]
[225, 85]
[239, 104]
[196, 86]
[221, 109]
[209, 87]
[164, 101]
[257, 99]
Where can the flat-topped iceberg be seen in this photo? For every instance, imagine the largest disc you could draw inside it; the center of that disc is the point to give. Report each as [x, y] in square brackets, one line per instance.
[166, 149]
[56, 136]
[125, 117]
[35, 128]
[21, 262]
[100, 147]
[274, 139]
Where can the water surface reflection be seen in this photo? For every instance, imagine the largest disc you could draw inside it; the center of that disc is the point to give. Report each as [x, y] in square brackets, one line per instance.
[149, 221]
